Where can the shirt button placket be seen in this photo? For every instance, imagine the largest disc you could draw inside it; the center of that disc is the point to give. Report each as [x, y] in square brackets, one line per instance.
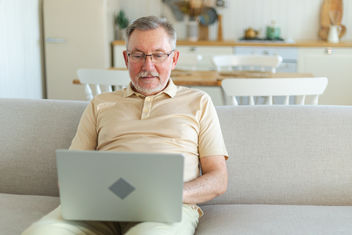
[146, 107]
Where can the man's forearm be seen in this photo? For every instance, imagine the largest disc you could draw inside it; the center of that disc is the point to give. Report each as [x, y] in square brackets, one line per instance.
[205, 187]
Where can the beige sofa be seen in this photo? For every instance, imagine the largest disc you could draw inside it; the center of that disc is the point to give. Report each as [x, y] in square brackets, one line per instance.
[290, 167]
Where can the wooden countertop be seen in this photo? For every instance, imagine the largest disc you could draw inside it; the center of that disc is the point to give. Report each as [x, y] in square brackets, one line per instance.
[234, 43]
[214, 78]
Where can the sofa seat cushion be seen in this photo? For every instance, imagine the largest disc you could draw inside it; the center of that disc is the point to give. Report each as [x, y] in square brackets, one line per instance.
[275, 220]
[19, 211]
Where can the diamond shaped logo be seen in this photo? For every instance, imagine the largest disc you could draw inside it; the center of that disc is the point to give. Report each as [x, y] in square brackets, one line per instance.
[121, 188]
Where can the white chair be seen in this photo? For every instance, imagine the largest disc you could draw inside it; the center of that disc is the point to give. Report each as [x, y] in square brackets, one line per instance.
[247, 62]
[269, 87]
[103, 80]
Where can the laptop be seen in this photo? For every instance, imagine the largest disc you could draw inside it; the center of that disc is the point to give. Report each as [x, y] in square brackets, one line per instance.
[120, 186]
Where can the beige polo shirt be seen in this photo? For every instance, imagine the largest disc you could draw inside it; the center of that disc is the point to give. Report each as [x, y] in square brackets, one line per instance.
[176, 120]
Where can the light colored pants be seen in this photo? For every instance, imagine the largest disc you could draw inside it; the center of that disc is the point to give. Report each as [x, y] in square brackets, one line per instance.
[54, 224]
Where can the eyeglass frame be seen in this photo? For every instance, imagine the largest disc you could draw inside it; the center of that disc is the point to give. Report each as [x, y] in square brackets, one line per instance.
[151, 56]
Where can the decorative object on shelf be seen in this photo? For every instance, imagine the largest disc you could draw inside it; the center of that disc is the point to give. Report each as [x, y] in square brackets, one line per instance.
[335, 29]
[208, 16]
[272, 34]
[219, 36]
[273, 31]
[200, 12]
[334, 32]
[178, 14]
[121, 23]
[250, 33]
[192, 30]
[192, 8]
[220, 4]
[331, 15]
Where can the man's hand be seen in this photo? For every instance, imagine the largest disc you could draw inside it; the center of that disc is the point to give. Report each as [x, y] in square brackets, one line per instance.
[210, 184]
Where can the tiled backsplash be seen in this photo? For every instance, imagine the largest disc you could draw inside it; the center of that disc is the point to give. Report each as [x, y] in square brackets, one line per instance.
[298, 19]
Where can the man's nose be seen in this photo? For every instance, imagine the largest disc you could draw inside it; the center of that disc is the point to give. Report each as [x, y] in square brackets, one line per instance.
[148, 62]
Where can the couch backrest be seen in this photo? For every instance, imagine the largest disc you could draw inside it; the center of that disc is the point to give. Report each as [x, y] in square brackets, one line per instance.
[30, 132]
[278, 154]
[288, 154]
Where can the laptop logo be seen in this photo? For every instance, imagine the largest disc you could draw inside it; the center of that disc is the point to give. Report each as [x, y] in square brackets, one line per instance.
[121, 188]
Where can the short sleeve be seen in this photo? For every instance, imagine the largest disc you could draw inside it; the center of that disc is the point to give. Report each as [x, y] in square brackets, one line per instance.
[211, 141]
[86, 135]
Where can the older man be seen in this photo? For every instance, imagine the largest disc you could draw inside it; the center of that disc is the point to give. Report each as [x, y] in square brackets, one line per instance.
[152, 115]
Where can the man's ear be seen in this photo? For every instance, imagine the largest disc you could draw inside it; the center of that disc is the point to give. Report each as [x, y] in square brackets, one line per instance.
[175, 58]
[125, 56]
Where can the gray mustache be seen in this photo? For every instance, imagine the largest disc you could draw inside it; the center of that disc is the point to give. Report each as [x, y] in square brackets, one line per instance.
[147, 74]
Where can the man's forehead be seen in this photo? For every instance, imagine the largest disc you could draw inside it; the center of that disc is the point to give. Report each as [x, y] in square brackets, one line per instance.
[136, 49]
[152, 40]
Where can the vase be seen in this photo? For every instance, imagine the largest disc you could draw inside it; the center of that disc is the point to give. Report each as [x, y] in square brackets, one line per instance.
[120, 34]
[334, 32]
[192, 30]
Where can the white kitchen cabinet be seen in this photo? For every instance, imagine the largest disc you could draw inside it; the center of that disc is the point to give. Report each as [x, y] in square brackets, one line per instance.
[289, 55]
[336, 65]
[189, 53]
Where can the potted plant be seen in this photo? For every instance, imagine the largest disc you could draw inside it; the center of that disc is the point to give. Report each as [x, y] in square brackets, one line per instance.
[121, 21]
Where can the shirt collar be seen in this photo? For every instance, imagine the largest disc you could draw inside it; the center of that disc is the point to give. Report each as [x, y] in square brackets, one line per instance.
[170, 90]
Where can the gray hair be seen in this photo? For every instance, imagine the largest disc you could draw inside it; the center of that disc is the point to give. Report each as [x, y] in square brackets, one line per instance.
[149, 23]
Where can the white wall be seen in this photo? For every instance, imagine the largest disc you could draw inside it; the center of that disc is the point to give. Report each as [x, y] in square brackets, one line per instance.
[20, 49]
[110, 8]
[298, 19]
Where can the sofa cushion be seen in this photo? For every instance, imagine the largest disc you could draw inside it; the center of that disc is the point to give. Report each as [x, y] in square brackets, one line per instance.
[275, 220]
[19, 211]
[288, 154]
[31, 131]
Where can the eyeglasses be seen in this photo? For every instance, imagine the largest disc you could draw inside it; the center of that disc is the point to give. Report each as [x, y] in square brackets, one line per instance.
[156, 57]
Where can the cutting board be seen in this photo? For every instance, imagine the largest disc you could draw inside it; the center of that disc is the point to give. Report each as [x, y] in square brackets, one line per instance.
[334, 9]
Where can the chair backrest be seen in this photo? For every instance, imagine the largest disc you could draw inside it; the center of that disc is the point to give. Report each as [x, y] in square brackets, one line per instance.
[102, 80]
[247, 62]
[269, 87]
